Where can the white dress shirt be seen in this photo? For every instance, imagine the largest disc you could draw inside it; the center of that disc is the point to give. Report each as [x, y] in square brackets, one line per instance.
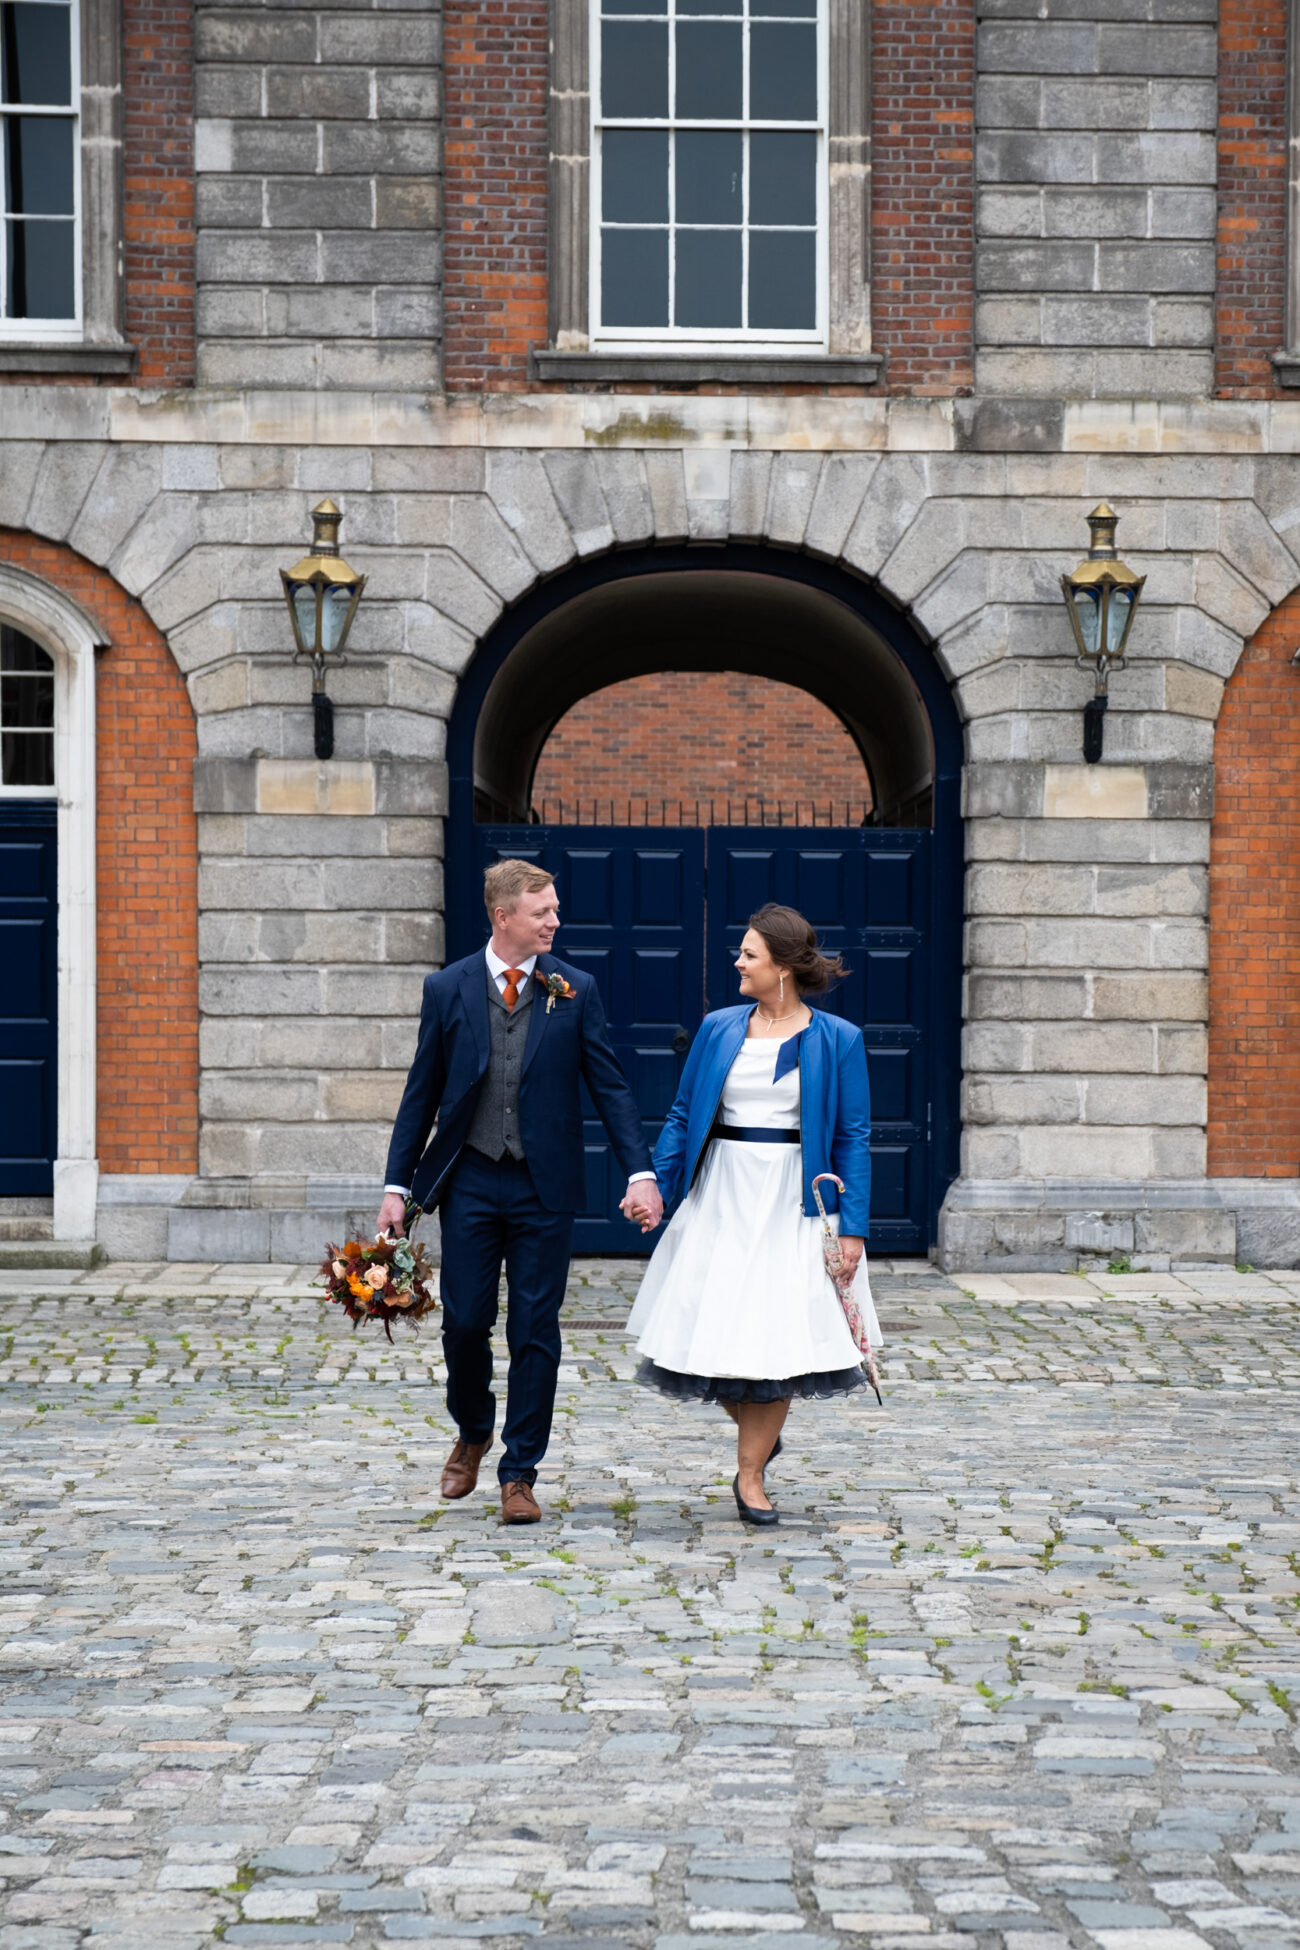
[499, 970]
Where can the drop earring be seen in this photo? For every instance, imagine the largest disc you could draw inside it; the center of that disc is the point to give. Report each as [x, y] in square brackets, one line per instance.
[783, 991]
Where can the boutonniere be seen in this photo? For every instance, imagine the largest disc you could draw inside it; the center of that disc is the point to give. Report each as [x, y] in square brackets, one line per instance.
[555, 985]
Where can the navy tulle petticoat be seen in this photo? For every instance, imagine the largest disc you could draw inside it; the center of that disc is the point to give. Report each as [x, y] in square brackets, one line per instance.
[739, 1388]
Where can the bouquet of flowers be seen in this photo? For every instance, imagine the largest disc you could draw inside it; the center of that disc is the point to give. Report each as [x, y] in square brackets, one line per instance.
[386, 1281]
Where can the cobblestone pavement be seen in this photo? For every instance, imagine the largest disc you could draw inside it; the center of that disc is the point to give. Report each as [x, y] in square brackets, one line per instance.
[1017, 1668]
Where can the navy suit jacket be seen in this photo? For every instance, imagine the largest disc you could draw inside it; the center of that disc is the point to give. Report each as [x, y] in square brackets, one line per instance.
[565, 1047]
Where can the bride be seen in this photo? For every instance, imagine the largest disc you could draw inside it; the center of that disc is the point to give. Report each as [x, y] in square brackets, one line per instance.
[736, 1306]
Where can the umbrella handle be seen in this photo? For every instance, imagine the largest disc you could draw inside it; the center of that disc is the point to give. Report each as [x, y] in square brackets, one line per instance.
[838, 1183]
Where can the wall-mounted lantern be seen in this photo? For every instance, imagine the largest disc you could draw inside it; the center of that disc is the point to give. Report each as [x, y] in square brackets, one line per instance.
[322, 593]
[1102, 597]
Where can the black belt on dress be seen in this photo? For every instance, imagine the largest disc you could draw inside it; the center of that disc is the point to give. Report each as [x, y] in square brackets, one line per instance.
[753, 1134]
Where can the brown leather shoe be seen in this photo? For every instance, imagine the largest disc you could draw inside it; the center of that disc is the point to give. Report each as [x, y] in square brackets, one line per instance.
[460, 1471]
[518, 1504]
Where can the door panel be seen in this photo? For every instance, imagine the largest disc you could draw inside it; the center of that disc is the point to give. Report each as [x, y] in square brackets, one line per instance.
[632, 915]
[28, 999]
[633, 911]
[867, 893]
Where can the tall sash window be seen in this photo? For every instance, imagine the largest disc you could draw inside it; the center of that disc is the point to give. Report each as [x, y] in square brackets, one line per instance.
[40, 89]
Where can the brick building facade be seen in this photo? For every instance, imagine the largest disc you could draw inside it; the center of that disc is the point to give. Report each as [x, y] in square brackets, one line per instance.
[809, 375]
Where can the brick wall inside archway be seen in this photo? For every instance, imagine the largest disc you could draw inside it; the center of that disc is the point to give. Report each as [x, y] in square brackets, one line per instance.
[146, 875]
[1254, 1059]
[709, 736]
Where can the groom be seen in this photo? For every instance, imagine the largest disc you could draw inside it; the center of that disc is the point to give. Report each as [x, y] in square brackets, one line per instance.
[506, 1036]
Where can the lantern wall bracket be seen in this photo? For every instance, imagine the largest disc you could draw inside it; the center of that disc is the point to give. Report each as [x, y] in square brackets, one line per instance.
[322, 594]
[1102, 597]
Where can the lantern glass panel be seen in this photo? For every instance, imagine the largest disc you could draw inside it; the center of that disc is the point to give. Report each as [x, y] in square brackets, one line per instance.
[335, 604]
[1088, 612]
[304, 609]
[1121, 609]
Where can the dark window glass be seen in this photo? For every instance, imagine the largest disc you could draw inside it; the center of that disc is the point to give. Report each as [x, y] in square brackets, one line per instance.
[26, 703]
[39, 270]
[709, 71]
[634, 175]
[634, 7]
[782, 72]
[709, 164]
[783, 280]
[38, 165]
[26, 758]
[634, 277]
[634, 68]
[790, 9]
[708, 278]
[782, 178]
[18, 652]
[35, 53]
[710, 7]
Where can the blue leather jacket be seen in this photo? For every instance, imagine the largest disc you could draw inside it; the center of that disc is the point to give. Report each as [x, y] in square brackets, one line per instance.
[834, 1109]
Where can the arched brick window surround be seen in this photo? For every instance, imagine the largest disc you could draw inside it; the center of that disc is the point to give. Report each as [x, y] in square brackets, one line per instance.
[128, 876]
[1254, 1056]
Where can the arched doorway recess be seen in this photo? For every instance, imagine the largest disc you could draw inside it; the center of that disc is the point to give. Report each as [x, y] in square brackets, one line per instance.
[655, 911]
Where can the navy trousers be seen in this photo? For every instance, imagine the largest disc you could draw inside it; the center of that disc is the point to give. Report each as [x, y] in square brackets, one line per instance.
[490, 1213]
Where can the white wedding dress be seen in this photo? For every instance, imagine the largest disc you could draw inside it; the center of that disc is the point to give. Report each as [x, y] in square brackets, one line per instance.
[736, 1303]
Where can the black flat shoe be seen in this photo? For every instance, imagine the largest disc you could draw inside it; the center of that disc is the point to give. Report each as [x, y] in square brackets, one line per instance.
[748, 1512]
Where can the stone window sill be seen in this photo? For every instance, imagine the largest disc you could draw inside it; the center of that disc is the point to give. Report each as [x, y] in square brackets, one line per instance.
[688, 369]
[69, 358]
[1286, 366]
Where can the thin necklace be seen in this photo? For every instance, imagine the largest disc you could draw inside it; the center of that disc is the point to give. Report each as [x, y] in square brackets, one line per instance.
[771, 1021]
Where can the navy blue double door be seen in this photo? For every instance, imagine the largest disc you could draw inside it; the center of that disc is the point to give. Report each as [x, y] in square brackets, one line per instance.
[657, 915]
[28, 998]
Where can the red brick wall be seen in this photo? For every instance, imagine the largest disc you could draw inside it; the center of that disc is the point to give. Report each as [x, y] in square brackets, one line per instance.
[922, 198]
[495, 169]
[159, 170]
[1252, 193]
[687, 737]
[146, 875]
[1254, 1072]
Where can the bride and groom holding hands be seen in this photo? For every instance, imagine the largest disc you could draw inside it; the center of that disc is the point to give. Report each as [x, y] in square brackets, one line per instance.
[736, 1306]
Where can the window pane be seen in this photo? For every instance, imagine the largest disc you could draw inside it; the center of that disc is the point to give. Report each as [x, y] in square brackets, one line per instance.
[634, 68]
[710, 7]
[782, 73]
[708, 277]
[26, 758]
[634, 7]
[26, 702]
[39, 269]
[18, 652]
[709, 82]
[782, 178]
[790, 9]
[709, 163]
[634, 277]
[35, 54]
[38, 165]
[783, 280]
[634, 176]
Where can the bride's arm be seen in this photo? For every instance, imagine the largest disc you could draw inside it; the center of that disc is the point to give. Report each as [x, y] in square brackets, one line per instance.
[851, 1144]
[670, 1151]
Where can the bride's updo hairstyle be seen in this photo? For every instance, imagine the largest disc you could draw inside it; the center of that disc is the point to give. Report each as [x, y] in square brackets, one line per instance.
[792, 944]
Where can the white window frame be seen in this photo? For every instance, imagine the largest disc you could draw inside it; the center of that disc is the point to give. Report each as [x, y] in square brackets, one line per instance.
[685, 339]
[56, 331]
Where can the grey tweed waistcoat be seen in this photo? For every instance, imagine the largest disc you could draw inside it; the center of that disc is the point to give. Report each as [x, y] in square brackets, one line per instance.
[495, 1129]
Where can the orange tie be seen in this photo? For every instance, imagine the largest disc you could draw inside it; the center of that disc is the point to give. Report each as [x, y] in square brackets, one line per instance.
[514, 976]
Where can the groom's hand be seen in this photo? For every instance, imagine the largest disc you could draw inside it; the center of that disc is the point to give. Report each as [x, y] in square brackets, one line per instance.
[643, 1204]
[392, 1214]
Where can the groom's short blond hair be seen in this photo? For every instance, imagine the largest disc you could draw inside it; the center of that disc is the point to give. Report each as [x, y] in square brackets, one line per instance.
[504, 882]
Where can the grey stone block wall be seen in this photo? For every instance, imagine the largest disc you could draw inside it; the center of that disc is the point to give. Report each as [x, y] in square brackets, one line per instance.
[318, 161]
[1095, 201]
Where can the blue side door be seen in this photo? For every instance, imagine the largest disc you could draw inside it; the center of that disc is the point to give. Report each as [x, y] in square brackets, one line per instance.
[866, 890]
[631, 912]
[29, 1083]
